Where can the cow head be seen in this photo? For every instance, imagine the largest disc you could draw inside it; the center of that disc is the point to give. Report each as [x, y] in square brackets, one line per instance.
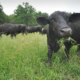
[58, 23]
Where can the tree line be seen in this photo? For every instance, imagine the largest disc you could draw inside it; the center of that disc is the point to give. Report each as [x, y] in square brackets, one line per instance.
[24, 14]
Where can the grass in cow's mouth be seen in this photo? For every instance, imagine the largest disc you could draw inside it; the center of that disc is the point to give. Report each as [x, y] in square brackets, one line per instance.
[62, 40]
[24, 58]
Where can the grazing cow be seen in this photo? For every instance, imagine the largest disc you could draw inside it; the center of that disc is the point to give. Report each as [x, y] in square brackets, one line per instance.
[59, 26]
[44, 31]
[12, 29]
[23, 28]
[20, 28]
[8, 29]
[34, 29]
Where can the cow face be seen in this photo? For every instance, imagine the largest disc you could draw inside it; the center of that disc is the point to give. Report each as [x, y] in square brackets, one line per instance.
[58, 23]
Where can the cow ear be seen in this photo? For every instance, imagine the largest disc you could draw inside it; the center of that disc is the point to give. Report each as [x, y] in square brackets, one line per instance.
[74, 17]
[42, 20]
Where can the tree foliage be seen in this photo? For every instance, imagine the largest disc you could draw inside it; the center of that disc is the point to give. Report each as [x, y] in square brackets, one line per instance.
[27, 14]
[12, 18]
[3, 16]
[23, 14]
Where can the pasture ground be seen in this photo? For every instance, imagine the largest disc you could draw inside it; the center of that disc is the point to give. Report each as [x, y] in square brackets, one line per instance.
[24, 58]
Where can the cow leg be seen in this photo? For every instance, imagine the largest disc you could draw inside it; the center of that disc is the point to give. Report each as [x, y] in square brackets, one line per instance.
[0, 35]
[11, 36]
[68, 45]
[49, 54]
[15, 34]
[55, 47]
[26, 32]
[22, 33]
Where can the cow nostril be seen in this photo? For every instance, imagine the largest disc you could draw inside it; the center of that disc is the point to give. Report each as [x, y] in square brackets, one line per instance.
[62, 31]
[66, 30]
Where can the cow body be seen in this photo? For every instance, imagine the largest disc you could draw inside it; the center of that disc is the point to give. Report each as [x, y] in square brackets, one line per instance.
[59, 27]
[75, 36]
[20, 28]
[34, 29]
[76, 31]
[8, 29]
[12, 29]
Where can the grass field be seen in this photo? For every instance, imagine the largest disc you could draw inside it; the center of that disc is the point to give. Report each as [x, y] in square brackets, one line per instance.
[24, 58]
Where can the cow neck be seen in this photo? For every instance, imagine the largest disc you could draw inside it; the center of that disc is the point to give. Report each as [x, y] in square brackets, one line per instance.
[52, 34]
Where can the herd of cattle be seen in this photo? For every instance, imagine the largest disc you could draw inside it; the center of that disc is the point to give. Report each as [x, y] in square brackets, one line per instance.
[60, 25]
[14, 29]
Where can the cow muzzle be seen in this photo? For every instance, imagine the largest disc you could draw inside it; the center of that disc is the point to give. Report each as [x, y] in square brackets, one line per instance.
[65, 32]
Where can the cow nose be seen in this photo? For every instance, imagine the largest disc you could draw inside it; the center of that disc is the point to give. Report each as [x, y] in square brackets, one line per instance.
[66, 31]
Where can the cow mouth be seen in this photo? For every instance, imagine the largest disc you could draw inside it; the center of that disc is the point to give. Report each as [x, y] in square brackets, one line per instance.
[61, 40]
[66, 32]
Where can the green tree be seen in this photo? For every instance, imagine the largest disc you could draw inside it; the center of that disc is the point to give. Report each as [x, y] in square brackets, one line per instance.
[12, 18]
[24, 14]
[1, 8]
[3, 16]
[45, 15]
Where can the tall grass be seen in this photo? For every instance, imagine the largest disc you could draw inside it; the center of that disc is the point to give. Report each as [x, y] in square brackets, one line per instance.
[24, 58]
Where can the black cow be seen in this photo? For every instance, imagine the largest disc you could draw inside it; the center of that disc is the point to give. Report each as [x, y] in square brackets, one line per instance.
[12, 29]
[59, 26]
[34, 29]
[20, 28]
[23, 28]
[8, 29]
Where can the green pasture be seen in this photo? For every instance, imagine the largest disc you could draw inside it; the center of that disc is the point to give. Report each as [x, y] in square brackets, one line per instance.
[24, 58]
